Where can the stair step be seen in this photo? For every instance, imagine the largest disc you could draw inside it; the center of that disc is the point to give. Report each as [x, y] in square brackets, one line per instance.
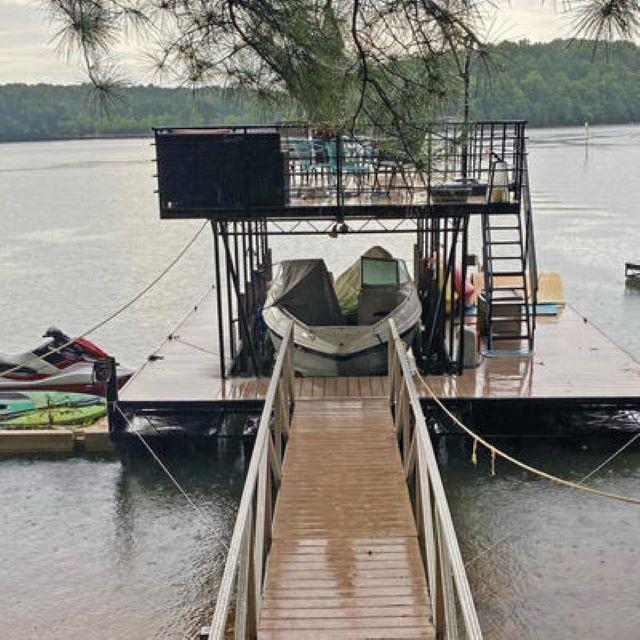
[501, 302]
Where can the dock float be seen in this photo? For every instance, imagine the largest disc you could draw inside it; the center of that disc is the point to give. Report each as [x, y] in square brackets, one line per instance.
[91, 439]
[343, 529]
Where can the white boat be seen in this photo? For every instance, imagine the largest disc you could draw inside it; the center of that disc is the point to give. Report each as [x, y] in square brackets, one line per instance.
[342, 330]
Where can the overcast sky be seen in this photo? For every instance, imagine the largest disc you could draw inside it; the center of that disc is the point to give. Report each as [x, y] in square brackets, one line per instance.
[26, 54]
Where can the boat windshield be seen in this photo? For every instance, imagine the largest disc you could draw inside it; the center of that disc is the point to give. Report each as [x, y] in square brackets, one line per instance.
[378, 272]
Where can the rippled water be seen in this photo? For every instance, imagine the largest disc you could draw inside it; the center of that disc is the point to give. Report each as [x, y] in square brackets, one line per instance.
[95, 548]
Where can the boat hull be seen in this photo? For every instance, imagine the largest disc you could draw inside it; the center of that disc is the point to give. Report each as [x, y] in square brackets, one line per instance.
[368, 362]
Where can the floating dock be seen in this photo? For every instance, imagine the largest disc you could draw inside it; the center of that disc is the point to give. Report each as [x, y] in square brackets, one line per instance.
[94, 438]
[574, 363]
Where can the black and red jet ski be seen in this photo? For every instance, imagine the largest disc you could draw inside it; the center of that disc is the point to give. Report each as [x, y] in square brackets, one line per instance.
[60, 364]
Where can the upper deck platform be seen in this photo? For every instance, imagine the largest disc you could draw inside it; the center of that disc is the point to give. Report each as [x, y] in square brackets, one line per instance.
[312, 172]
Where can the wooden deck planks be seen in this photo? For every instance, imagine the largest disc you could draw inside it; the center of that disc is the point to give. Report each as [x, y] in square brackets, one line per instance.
[344, 561]
[572, 360]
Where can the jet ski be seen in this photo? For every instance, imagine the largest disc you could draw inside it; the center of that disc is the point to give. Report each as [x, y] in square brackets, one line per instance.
[60, 364]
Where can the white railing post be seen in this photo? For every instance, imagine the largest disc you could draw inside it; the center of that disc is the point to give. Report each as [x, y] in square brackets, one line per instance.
[446, 576]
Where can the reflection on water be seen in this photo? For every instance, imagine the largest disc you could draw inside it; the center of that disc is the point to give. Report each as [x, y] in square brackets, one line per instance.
[544, 561]
[95, 548]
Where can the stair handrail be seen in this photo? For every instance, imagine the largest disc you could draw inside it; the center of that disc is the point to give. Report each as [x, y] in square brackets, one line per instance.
[447, 582]
[531, 260]
[243, 577]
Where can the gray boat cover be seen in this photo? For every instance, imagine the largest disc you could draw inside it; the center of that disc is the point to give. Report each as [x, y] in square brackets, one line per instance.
[307, 293]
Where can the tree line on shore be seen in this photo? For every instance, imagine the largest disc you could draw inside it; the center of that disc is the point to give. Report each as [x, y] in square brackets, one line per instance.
[564, 82]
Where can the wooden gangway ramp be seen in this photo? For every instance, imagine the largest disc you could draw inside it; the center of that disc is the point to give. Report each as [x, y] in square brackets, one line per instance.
[344, 559]
[343, 529]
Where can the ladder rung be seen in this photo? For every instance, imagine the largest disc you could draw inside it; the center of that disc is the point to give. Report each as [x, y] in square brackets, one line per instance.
[508, 319]
[497, 274]
[507, 287]
[514, 337]
[506, 258]
[507, 301]
[504, 228]
[506, 242]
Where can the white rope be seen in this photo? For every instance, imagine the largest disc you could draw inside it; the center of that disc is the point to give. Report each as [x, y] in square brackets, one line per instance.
[119, 310]
[164, 467]
[161, 464]
[176, 338]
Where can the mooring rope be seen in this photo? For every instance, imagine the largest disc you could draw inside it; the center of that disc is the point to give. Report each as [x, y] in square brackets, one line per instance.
[120, 309]
[175, 338]
[518, 463]
[173, 479]
[591, 473]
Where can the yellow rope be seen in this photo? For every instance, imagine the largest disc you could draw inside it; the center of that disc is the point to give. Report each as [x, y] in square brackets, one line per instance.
[538, 472]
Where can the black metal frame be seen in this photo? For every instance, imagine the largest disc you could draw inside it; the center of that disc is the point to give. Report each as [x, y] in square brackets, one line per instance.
[390, 193]
[244, 246]
[355, 175]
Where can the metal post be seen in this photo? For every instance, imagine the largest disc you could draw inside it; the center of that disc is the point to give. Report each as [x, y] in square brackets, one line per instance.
[232, 346]
[216, 256]
[243, 317]
[465, 242]
[105, 371]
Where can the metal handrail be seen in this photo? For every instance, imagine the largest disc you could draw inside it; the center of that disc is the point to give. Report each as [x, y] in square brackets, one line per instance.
[446, 576]
[242, 581]
[530, 247]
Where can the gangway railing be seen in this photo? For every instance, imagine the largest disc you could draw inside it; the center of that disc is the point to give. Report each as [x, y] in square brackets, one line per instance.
[239, 596]
[454, 612]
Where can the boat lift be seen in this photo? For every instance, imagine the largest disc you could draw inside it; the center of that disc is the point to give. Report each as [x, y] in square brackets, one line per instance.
[254, 182]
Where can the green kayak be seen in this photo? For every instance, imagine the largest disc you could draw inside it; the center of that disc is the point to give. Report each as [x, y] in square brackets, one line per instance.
[45, 408]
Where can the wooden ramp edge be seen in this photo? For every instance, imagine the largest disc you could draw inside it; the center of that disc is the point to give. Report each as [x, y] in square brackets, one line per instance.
[344, 561]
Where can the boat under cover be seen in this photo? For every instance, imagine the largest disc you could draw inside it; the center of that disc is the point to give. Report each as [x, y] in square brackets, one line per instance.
[342, 329]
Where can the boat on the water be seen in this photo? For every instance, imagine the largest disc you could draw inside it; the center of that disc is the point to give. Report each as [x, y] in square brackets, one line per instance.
[632, 273]
[342, 329]
[59, 364]
[37, 408]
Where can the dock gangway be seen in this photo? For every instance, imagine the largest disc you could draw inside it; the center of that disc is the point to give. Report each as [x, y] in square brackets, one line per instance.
[343, 528]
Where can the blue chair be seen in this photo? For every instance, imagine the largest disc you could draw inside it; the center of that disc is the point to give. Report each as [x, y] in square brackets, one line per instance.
[303, 157]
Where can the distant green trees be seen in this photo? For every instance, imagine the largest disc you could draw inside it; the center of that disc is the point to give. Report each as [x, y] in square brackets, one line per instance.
[563, 82]
[43, 111]
[557, 83]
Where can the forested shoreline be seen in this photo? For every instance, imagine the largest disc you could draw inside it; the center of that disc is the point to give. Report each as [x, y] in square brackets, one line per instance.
[557, 83]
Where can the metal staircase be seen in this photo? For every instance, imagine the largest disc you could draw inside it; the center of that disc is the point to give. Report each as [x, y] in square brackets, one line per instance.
[510, 274]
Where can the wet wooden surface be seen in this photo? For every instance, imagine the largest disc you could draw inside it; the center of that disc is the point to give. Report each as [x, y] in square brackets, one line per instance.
[344, 561]
[572, 360]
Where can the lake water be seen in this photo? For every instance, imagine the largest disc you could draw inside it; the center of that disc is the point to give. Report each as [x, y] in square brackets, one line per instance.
[95, 548]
